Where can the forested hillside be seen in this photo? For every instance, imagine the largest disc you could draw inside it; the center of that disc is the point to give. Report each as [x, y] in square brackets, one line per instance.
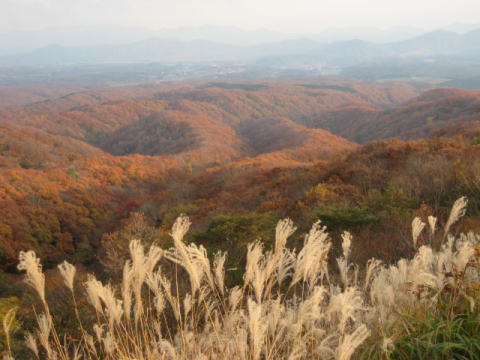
[73, 168]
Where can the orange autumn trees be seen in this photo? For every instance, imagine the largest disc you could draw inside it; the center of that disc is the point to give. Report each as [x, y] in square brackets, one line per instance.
[73, 168]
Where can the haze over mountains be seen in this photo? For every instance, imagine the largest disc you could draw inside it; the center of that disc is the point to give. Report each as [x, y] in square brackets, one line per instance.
[16, 42]
[130, 45]
[120, 56]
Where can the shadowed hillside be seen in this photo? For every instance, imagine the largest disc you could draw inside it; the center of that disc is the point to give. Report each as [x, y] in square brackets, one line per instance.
[417, 118]
[27, 147]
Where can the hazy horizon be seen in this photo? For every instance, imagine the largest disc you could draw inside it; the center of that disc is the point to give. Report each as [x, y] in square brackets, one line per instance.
[280, 16]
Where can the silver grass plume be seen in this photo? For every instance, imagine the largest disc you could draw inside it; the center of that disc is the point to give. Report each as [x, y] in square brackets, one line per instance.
[34, 275]
[342, 262]
[97, 293]
[7, 322]
[192, 258]
[345, 306]
[92, 288]
[31, 343]
[417, 227]
[67, 271]
[459, 209]
[373, 267]
[234, 297]
[255, 271]
[126, 288]
[139, 273]
[180, 228]
[312, 259]
[351, 342]
[43, 333]
[346, 244]
[463, 255]
[283, 231]
[219, 269]
[257, 328]
[432, 222]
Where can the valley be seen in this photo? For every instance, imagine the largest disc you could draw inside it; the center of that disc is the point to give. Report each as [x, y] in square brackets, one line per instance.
[73, 168]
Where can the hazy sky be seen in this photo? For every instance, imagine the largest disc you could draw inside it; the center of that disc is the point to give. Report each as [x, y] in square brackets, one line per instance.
[284, 15]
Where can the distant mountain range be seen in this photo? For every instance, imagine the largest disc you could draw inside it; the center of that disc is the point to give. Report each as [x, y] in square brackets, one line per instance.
[27, 41]
[302, 52]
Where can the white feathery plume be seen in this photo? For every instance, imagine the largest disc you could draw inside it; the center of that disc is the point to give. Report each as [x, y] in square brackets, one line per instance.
[351, 342]
[285, 265]
[187, 304]
[93, 289]
[127, 288]
[256, 327]
[234, 297]
[202, 263]
[137, 255]
[284, 230]
[373, 266]
[109, 343]
[192, 258]
[417, 228]
[344, 268]
[155, 286]
[311, 261]
[219, 269]
[154, 255]
[113, 306]
[464, 253]
[254, 256]
[432, 222]
[34, 275]
[43, 333]
[346, 244]
[7, 322]
[167, 291]
[309, 310]
[97, 293]
[459, 209]
[255, 273]
[180, 228]
[31, 343]
[67, 271]
[345, 305]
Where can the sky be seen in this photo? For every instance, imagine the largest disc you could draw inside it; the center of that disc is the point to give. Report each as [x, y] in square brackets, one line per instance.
[298, 16]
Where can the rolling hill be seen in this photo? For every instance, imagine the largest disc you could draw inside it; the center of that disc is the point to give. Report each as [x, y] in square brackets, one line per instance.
[417, 118]
[71, 168]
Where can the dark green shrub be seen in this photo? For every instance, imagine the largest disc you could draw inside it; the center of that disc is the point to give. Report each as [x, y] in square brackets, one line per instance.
[346, 217]
[234, 233]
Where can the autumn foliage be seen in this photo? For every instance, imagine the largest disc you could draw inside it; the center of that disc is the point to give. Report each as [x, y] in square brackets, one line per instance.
[73, 168]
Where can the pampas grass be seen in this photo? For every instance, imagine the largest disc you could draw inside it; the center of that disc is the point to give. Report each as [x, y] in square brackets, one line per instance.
[290, 305]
